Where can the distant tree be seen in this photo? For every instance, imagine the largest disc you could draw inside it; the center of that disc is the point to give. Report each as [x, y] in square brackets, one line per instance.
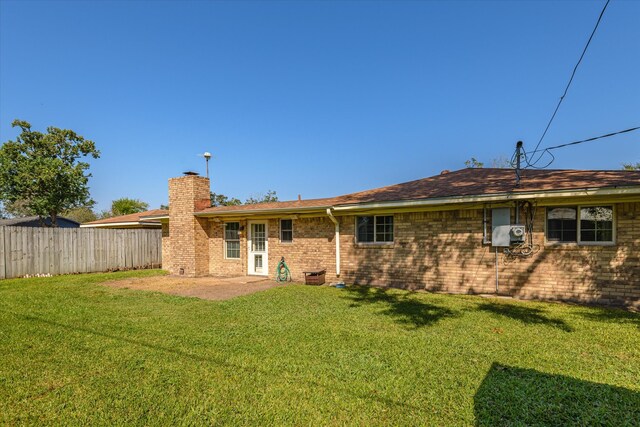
[126, 206]
[44, 171]
[269, 197]
[81, 215]
[165, 207]
[105, 213]
[17, 209]
[473, 163]
[501, 162]
[222, 200]
[631, 166]
[3, 213]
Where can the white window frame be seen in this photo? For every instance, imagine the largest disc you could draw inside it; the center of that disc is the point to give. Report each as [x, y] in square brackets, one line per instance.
[375, 222]
[226, 250]
[286, 242]
[579, 241]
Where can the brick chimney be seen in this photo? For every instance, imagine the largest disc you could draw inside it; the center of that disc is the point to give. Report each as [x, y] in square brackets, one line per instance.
[188, 235]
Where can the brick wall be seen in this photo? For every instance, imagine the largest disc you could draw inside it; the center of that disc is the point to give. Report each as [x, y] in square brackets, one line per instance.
[188, 240]
[437, 251]
[218, 264]
[442, 251]
[166, 246]
[313, 247]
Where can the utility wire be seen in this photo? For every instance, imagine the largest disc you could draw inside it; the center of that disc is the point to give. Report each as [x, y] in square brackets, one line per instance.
[568, 85]
[548, 149]
[586, 140]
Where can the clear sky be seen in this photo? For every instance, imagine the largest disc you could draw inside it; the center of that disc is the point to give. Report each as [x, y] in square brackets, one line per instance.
[317, 98]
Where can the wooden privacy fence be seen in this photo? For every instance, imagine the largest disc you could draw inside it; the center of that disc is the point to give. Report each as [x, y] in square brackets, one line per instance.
[30, 250]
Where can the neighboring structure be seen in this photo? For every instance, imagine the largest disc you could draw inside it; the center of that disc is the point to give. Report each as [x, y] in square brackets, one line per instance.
[559, 234]
[34, 221]
[147, 219]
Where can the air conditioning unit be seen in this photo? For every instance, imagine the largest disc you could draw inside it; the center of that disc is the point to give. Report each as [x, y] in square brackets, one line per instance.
[517, 233]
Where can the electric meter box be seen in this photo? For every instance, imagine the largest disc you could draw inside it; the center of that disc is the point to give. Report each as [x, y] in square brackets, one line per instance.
[517, 233]
[500, 226]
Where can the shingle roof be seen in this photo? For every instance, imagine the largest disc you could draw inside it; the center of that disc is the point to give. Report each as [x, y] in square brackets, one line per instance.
[463, 182]
[133, 218]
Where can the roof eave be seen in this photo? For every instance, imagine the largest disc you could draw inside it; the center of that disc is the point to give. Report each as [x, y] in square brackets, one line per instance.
[252, 212]
[121, 224]
[484, 198]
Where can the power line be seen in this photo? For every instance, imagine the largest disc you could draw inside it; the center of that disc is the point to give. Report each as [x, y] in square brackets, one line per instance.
[587, 140]
[568, 84]
[548, 149]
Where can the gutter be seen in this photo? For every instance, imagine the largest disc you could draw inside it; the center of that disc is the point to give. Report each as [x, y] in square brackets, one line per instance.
[490, 198]
[337, 238]
[248, 212]
[119, 224]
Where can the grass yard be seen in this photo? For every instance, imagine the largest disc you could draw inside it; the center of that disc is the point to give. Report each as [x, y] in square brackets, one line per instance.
[75, 352]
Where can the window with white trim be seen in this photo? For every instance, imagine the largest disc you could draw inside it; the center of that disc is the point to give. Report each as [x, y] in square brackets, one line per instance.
[286, 230]
[232, 240]
[374, 229]
[580, 224]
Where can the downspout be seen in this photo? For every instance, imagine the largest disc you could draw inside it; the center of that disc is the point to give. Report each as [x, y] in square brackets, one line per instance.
[497, 279]
[337, 238]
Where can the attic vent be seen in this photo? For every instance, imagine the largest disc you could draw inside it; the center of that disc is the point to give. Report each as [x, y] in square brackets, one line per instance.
[444, 172]
[191, 173]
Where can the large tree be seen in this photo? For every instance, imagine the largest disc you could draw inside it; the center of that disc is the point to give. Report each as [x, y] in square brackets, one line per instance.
[44, 171]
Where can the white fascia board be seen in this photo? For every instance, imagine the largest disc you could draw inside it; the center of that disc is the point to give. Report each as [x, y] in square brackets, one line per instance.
[119, 224]
[625, 191]
[251, 212]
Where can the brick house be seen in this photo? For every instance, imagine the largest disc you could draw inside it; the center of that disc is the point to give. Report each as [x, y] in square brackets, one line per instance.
[558, 234]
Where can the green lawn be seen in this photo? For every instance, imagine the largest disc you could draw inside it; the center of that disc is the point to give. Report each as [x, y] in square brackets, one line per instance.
[75, 352]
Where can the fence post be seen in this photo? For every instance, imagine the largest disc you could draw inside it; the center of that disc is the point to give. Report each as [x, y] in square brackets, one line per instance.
[3, 256]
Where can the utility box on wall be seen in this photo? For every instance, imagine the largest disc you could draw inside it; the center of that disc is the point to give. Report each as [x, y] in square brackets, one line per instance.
[500, 226]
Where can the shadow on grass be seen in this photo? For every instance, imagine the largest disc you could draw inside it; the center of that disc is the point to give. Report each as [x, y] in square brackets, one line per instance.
[516, 396]
[611, 315]
[524, 314]
[253, 370]
[402, 307]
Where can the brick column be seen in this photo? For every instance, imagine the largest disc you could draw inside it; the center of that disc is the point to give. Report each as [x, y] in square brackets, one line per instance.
[188, 235]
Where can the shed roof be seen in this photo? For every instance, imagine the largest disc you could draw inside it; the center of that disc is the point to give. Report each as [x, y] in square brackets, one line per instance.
[138, 218]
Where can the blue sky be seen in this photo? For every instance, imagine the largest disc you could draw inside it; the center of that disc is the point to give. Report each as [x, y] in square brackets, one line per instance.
[317, 98]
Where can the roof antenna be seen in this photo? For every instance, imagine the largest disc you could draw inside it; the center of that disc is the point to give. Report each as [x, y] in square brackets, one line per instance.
[518, 170]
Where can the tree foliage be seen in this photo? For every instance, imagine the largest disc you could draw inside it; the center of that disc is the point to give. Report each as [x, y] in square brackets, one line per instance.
[473, 163]
[498, 162]
[81, 214]
[269, 197]
[17, 209]
[44, 171]
[127, 206]
[222, 200]
[631, 166]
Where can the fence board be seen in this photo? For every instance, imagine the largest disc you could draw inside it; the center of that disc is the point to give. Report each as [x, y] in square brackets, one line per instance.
[35, 250]
[3, 251]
